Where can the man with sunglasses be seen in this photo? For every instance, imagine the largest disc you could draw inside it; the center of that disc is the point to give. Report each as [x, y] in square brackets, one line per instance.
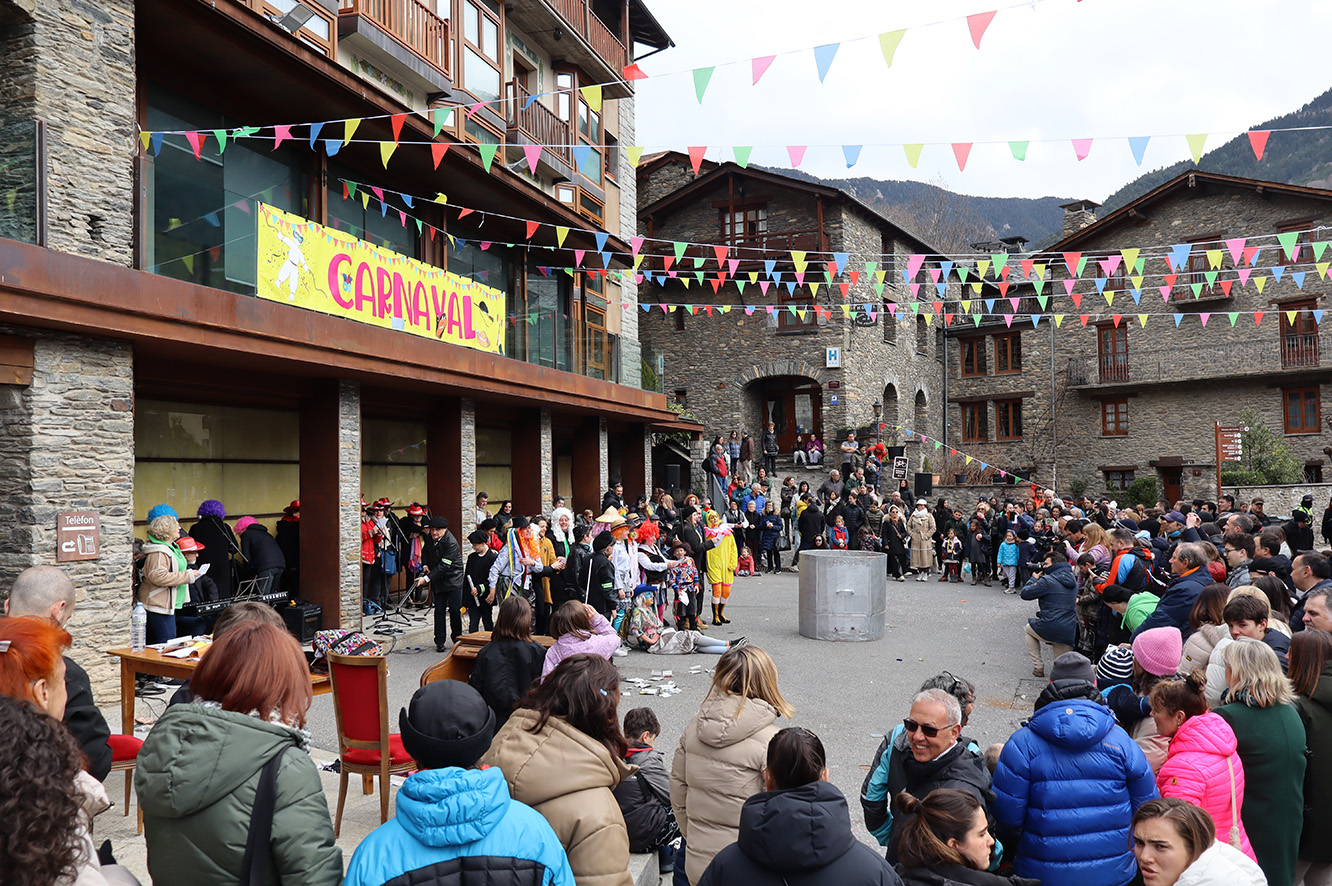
[921, 755]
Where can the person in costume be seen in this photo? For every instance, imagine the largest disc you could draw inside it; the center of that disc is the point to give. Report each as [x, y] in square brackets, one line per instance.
[721, 565]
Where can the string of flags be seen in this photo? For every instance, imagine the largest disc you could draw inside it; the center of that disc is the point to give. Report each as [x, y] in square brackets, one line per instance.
[968, 459]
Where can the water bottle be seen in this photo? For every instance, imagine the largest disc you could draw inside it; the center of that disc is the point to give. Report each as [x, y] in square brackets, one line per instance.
[138, 628]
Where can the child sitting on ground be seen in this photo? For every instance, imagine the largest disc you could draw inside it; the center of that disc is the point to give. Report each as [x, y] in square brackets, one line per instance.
[952, 556]
[645, 798]
[837, 536]
[744, 564]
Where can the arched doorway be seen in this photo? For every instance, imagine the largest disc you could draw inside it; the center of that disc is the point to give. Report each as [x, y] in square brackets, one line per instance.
[922, 414]
[889, 419]
[794, 404]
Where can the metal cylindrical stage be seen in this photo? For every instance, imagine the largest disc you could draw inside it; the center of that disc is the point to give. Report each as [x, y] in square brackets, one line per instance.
[843, 595]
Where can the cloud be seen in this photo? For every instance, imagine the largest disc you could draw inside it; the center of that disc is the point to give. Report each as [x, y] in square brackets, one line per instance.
[1052, 69]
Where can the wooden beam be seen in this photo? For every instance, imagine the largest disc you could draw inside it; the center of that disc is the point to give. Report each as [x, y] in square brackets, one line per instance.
[321, 542]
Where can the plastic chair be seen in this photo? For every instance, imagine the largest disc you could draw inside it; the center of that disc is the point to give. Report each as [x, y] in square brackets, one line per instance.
[365, 747]
[124, 758]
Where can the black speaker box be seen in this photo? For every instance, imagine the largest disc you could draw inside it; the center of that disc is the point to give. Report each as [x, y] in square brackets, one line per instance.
[303, 620]
[924, 485]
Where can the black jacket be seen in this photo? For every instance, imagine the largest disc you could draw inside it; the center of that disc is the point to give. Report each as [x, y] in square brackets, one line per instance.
[810, 524]
[804, 831]
[770, 444]
[610, 500]
[219, 544]
[645, 810]
[504, 671]
[288, 534]
[568, 583]
[1299, 536]
[260, 550]
[85, 722]
[443, 561]
[600, 584]
[699, 545]
[956, 875]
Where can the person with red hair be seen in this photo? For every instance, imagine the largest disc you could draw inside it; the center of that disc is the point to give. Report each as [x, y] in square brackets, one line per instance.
[202, 767]
[653, 562]
[32, 662]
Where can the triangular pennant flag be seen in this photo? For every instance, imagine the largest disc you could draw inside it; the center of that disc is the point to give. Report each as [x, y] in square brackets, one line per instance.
[759, 67]
[280, 134]
[533, 155]
[560, 233]
[1035, 320]
[386, 150]
[196, 140]
[962, 150]
[797, 155]
[1258, 141]
[633, 72]
[978, 23]
[1019, 150]
[488, 154]
[823, 58]
[633, 153]
[532, 228]
[696, 153]
[742, 155]
[1059, 321]
[1196, 142]
[852, 154]
[1116, 318]
[1072, 261]
[912, 154]
[582, 154]
[702, 76]
[1258, 318]
[679, 246]
[1317, 316]
[1289, 241]
[443, 116]
[1142, 320]
[1277, 272]
[395, 122]
[1204, 318]
[1233, 316]
[1298, 277]
[437, 152]
[888, 42]
[1259, 282]
[1082, 147]
[145, 137]
[593, 96]
[1138, 145]
[1178, 319]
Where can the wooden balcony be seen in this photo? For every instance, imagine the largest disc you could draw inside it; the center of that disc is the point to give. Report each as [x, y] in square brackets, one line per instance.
[1298, 356]
[570, 30]
[411, 23]
[536, 124]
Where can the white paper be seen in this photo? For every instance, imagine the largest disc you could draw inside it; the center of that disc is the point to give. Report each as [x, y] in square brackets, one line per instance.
[203, 570]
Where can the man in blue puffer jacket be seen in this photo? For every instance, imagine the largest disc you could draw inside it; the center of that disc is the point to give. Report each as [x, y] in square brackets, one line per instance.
[456, 824]
[1068, 783]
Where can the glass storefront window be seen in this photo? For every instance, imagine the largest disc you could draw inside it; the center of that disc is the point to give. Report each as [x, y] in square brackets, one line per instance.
[370, 223]
[393, 460]
[494, 464]
[550, 342]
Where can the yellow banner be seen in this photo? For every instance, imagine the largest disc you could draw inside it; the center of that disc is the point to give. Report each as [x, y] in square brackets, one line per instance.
[308, 265]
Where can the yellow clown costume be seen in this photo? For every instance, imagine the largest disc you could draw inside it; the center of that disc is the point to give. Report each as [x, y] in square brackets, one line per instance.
[721, 565]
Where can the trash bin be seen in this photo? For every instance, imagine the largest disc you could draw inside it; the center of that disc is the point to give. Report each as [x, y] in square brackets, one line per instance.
[843, 595]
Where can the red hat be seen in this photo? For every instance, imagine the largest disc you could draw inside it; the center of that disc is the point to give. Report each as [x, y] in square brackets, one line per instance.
[415, 510]
[294, 506]
[188, 545]
[383, 504]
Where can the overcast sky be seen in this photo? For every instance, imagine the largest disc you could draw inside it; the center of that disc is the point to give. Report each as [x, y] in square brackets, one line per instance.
[1057, 69]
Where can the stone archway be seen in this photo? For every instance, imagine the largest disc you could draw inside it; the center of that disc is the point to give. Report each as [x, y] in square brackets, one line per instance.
[890, 414]
[922, 415]
[780, 368]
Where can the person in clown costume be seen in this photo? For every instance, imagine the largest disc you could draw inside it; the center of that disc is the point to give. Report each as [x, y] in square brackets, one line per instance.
[721, 565]
[648, 633]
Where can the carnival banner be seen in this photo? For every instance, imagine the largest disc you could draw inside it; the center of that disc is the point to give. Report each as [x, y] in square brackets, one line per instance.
[322, 269]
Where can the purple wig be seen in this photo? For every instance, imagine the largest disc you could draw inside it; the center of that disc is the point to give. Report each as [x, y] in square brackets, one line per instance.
[212, 508]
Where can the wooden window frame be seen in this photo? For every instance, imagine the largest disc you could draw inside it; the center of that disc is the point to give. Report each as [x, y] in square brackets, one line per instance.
[1118, 480]
[726, 225]
[1114, 417]
[1313, 392]
[975, 422]
[496, 61]
[791, 323]
[1108, 367]
[1196, 267]
[1011, 410]
[1013, 353]
[1304, 242]
[1300, 342]
[971, 357]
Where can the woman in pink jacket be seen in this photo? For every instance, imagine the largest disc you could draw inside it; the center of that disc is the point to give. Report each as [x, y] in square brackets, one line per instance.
[1202, 766]
[578, 628]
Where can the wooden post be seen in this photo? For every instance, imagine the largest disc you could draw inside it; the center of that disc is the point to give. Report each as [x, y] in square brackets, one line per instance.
[1218, 460]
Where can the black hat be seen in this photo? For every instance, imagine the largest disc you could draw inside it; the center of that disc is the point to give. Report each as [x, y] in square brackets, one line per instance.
[687, 511]
[520, 522]
[1307, 500]
[438, 523]
[681, 545]
[479, 537]
[447, 723]
[603, 540]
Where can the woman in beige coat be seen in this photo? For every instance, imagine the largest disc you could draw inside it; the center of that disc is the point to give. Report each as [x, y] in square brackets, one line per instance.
[719, 761]
[920, 526]
[562, 754]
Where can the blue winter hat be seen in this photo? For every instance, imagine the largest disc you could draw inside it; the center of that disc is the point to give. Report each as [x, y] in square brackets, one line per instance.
[162, 511]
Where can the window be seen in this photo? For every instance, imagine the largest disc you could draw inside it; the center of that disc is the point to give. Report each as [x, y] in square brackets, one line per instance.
[1313, 473]
[975, 422]
[747, 226]
[589, 159]
[612, 156]
[368, 222]
[1303, 242]
[791, 322]
[922, 336]
[1008, 353]
[481, 48]
[681, 396]
[1118, 479]
[1114, 417]
[598, 345]
[1302, 410]
[1197, 268]
[1112, 351]
[1008, 419]
[889, 321]
[973, 357]
[1299, 339]
[679, 315]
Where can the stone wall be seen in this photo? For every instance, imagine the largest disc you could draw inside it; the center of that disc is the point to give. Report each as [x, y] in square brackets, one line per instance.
[1181, 380]
[467, 482]
[1280, 501]
[67, 443]
[71, 64]
[626, 226]
[349, 501]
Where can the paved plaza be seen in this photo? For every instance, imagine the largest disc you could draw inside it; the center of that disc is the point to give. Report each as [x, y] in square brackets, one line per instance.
[848, 693]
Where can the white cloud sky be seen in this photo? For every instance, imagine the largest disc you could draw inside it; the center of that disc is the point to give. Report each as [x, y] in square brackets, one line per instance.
[1054, 69]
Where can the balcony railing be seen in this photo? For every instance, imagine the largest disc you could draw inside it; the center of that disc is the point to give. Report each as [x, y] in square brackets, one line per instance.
[578, 14]
[412, 23]
[537, 122]
[1295, 353]
[755, 247]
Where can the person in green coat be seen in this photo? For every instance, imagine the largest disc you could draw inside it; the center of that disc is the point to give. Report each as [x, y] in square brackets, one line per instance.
[1271, 746]
[1311, 674]
[199, 769]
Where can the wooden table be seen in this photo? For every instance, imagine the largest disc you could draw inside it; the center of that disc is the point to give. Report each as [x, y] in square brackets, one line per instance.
[150, 661]
[461, 659]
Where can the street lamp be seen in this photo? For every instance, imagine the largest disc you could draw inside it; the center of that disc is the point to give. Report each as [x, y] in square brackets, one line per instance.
[878, 416]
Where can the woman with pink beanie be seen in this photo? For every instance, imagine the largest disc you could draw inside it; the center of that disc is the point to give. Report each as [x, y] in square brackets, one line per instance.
[1202, 766]
[1155, 656]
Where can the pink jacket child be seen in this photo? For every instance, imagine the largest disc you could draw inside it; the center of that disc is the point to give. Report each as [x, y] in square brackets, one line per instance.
[1197, 770]
[602, 640]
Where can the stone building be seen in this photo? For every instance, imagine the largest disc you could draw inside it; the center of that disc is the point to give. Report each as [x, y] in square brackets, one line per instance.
[1135, 397]
[137, 365]
[841, 351]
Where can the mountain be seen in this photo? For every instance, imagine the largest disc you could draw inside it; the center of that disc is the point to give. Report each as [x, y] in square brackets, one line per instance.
[947, 220]
[1297, 158]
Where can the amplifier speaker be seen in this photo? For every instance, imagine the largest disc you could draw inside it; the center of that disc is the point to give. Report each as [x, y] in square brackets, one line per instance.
[673, 477]
[304, 620]
[924, 485]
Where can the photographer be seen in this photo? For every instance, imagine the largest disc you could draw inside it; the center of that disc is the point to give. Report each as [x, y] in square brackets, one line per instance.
[1055, 624]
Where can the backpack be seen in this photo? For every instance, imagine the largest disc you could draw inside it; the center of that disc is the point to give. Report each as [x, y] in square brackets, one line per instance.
[343, 642]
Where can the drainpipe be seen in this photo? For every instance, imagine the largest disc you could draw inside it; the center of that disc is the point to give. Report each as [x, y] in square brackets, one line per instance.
[1054, 427]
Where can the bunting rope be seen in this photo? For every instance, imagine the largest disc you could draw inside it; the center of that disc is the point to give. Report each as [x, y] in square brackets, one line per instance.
[968, 459]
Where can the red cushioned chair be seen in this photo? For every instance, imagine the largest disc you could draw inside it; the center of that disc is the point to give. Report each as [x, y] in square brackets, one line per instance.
[124, 757]
[360, 703]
